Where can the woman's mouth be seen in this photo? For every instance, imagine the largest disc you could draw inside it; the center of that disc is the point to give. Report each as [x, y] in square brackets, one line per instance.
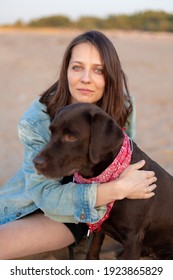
[85, 91]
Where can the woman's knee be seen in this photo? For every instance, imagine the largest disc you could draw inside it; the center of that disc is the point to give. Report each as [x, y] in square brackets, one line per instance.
[31, 235]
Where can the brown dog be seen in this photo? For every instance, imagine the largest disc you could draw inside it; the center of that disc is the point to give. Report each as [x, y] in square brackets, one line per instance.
[86, 139]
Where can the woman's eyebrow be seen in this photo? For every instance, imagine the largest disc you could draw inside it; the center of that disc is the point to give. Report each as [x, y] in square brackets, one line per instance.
[80, 62]
[76, 61]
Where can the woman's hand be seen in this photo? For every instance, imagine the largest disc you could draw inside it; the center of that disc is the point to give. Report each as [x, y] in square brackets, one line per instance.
[137, 184]
[132, 183]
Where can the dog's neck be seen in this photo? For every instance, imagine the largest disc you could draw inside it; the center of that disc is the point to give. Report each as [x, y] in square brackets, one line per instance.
[113, 171]
[93, 170]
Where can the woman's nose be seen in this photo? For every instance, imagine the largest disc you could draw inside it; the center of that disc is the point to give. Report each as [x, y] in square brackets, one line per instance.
[86, 77]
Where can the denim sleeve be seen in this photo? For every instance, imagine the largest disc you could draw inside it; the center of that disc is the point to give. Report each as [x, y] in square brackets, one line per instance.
[66, 203]
[131, 122]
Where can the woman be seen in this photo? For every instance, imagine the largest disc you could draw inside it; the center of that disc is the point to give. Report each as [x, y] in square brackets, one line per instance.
[91, 72]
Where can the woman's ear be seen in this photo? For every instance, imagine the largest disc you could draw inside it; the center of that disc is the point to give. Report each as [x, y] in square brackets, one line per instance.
[105, 136]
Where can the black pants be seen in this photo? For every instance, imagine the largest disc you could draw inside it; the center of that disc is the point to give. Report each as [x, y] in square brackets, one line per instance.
[78, 230]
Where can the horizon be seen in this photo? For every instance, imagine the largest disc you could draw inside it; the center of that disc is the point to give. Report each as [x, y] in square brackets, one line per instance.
[25, 11]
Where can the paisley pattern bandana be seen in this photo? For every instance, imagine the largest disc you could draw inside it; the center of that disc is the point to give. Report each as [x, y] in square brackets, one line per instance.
[111, 173]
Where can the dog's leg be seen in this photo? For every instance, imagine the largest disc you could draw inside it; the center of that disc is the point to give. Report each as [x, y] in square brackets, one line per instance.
[132, 247]
[95, 247]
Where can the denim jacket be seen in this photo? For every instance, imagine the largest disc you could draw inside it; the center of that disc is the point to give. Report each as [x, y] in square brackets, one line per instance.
[27, 191]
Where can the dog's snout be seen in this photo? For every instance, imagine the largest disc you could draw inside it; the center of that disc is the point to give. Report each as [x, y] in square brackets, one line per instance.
[39, 162]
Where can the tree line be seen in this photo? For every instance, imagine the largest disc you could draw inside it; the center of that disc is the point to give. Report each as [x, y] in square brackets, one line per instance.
[144, 21]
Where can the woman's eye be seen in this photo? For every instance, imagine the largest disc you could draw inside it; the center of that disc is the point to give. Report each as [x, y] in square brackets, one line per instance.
[76, 67]
[99, 71]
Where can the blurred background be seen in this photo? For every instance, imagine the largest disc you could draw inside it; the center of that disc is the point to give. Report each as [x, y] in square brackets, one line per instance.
[33, 37]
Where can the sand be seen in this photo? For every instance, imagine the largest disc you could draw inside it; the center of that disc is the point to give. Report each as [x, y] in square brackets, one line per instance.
[30, 62]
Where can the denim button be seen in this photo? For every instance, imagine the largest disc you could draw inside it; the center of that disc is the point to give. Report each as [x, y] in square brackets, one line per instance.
[82, 216]
[18, 214]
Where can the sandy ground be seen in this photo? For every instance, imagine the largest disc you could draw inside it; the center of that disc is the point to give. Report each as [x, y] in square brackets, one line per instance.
[30, 62]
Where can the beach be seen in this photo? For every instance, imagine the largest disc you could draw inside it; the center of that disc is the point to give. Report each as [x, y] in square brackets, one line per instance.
[30, 62]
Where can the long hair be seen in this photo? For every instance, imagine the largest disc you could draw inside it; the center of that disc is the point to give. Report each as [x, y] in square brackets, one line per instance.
[116, 98]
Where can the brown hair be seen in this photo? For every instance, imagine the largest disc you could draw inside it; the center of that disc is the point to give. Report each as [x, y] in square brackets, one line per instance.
[116, 94]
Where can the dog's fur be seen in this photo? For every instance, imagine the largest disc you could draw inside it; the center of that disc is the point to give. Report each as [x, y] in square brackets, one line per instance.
[86, 139]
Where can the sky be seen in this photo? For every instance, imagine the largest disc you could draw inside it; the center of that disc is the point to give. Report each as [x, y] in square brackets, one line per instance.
[25, 10]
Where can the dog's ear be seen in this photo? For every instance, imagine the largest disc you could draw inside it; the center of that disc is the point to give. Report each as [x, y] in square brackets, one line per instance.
[106, 135]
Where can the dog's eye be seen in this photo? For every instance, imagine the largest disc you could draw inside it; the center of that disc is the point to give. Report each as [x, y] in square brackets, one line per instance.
[69, 138]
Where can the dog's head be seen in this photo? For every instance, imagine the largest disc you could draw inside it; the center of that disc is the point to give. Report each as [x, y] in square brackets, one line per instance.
[82, 136]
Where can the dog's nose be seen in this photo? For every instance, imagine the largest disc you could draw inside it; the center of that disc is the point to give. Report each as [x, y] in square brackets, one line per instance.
[39, 162]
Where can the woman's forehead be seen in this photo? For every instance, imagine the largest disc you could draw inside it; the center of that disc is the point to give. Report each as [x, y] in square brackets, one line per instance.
[86, 52]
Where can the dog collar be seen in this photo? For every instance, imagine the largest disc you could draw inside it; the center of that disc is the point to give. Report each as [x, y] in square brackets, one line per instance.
[111, 173]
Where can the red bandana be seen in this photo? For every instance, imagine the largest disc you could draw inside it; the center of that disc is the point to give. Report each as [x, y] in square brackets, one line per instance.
[109, 174]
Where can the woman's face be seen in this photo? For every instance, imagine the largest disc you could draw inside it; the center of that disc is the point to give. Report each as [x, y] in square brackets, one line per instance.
[85, 74]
